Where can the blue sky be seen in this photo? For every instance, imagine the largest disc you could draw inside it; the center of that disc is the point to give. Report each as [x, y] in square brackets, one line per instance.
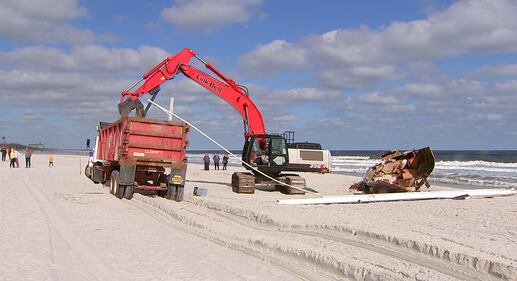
[347, 74]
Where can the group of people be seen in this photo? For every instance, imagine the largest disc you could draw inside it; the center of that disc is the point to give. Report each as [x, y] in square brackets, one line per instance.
[14, 155]
[216, 158]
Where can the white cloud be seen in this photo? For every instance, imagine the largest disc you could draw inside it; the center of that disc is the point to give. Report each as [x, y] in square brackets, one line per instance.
[304, 94]
[186, 91]
[481, 26]
[209, 14]
[46, 21]
[75, 95]
[285, 118]
[357, 76]
[419, 89]
[268, 99]
[83, 84]
[352, 58]
[273, 57]
[347, 47]
[496, 70]
[506, 86]
[88, 59]
[378, 98]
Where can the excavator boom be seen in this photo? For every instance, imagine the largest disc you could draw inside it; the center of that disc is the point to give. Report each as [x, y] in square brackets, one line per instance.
[224, 88]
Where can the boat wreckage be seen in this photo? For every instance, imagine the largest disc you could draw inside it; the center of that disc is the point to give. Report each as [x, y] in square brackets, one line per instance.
[398, 172]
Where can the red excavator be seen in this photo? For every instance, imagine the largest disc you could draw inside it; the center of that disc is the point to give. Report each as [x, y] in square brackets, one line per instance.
[266, 152]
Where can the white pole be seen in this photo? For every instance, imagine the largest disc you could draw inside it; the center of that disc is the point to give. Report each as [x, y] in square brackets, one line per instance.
[409, 196]
[171, 107]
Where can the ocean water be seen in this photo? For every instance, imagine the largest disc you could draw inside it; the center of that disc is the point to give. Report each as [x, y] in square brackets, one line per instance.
[479, 168]
[476, 168]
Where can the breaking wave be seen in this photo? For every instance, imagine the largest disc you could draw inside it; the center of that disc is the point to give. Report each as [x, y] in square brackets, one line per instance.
[475, 173]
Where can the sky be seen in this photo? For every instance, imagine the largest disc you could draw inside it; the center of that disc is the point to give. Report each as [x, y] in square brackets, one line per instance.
[350, 75]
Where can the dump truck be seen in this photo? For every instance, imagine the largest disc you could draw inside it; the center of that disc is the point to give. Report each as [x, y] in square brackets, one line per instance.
[136, 154]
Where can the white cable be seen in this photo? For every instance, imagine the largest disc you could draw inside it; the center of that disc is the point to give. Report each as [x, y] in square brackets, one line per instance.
[226, 150]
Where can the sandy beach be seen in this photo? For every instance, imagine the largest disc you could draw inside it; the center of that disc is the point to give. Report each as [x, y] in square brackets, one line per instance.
[58, 225]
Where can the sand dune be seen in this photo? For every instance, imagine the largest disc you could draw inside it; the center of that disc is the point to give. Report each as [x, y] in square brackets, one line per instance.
[58, 225]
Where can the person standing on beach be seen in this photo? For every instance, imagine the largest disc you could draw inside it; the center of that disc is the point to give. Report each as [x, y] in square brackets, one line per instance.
[50, 160]
[18, 156]
[12, 158]
[206, 161]
[225, 161]
[216, 161]
[4, 153]
[28, 155]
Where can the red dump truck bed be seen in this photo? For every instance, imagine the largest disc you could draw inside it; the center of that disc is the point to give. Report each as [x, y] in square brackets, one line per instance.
[146, 140]
[141, 154]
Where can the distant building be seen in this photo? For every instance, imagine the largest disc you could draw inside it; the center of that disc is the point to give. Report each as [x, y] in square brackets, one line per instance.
[38, 146]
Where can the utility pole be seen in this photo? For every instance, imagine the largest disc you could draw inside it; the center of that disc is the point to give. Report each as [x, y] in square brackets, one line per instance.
[4, 140]
[171, 107]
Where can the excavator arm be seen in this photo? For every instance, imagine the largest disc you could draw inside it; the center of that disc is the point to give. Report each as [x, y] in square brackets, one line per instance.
[224, 88]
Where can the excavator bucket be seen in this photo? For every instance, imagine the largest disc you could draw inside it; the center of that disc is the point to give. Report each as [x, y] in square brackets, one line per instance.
[125, 108]
[398, 172]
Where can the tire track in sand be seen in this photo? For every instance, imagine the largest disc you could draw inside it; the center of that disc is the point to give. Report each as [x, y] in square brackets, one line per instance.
[453, 270]
[311, 259]
[397, 251]
[369, 244]
[293, 268]
[73, 259]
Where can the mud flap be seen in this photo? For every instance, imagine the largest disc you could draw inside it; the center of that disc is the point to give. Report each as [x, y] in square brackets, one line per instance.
[127, 172]
[97, 174]
[178, 176]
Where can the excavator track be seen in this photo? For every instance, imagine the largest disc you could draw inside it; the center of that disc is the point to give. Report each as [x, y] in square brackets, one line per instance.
[243, 182]
[291, 180]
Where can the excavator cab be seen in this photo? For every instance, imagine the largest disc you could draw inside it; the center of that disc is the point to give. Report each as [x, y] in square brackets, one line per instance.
[266, 152]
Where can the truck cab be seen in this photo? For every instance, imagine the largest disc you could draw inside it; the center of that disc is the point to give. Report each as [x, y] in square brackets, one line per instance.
[271, 154]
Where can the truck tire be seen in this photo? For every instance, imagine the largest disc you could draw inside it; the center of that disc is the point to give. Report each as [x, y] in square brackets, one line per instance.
[118, 189]
[179, 193]
[112, 182]
[171, 192]
[128, 192]
[87, 172]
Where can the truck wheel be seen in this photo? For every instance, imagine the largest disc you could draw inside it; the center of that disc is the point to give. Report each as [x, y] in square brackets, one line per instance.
[87, 172]
[128, 192]
[118, 189]
[113, 181]
[171, 192]
[179, 193]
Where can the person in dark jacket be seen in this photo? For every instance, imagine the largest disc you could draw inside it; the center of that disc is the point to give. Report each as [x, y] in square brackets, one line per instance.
[4, 153]
[216, 162]
[225, 161]
[28, 155]
[206, 161]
